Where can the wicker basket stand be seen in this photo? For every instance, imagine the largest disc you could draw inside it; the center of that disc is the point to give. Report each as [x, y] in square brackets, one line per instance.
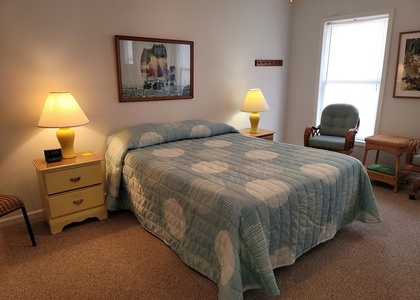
[392, 144]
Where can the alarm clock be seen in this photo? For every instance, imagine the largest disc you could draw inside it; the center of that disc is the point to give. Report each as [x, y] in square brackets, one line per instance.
[53, 155]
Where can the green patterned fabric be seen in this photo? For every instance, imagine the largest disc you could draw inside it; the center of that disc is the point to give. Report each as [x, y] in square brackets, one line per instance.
[232, 207]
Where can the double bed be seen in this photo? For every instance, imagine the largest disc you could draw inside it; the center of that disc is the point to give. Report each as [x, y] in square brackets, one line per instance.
[233, 207]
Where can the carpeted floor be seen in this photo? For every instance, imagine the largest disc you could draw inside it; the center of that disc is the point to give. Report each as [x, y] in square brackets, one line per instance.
[117, 259]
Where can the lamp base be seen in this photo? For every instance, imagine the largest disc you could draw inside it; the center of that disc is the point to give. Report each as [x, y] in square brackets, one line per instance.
[254, 119]
[65, 137]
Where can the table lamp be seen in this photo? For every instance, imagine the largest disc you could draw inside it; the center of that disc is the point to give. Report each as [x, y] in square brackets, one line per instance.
[254, 103]
[62, 111]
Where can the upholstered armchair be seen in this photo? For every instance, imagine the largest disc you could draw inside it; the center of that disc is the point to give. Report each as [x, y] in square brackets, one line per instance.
[337, 130]
[412, 163]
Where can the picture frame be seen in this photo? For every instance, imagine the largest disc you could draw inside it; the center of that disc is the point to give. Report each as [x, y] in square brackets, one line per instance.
[407, 74]
[151, 69]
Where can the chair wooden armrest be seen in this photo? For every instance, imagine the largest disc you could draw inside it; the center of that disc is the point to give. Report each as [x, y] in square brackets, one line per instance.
[413, 149]
[310, 131]
[350, 138]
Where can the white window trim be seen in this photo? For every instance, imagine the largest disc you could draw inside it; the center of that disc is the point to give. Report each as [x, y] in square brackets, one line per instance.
[389, 12]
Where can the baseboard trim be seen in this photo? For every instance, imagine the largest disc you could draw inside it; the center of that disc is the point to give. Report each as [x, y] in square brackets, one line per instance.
[19, 217]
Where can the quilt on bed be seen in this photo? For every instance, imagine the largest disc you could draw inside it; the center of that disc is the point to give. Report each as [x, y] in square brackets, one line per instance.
[233, 207]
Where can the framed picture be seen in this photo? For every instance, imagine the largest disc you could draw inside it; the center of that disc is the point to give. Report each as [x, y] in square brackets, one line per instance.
[154, 69]
[407, 77]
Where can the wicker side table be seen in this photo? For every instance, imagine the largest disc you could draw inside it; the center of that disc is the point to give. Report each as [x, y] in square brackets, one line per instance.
[392, 144]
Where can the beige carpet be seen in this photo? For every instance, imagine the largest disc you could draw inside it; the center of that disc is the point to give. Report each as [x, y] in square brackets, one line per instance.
[118, 259]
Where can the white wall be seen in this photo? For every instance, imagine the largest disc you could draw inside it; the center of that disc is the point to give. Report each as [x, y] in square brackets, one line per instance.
[61, 45]
[399, 116]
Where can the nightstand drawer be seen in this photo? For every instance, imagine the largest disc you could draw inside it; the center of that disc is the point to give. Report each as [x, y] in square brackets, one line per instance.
[68, 203]
[73, 178]
[269, 137]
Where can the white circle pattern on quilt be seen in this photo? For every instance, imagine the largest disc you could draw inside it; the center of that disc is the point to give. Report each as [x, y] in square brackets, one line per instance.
[327, 173]
[282, 257]
[200, 131]
[210, 167]
[224, 252]
[261, 154]
[274, 192]
[217, 143]
[172, 152]
[174, 217]
[205, 192]
[150, 138]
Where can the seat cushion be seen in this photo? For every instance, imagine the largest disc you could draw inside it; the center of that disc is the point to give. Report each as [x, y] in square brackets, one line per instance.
[9, 204]
[416, 160]
[327, 142]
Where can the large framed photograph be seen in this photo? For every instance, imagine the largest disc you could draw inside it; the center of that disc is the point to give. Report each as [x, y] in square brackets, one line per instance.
[407, 77]
[154, 69]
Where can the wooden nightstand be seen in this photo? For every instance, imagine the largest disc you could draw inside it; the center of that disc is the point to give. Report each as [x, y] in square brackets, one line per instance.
[72, 190]
[262, 134]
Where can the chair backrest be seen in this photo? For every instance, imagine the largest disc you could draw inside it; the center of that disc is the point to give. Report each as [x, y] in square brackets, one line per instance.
[337, 119]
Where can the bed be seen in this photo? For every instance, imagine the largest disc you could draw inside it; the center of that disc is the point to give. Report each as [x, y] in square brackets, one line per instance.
[233, 207]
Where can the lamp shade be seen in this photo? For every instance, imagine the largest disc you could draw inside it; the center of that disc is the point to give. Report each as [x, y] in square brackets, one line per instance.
[254, 101]
[61, 110]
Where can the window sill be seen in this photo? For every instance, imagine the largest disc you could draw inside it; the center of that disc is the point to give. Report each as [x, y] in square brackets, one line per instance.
[359, 143]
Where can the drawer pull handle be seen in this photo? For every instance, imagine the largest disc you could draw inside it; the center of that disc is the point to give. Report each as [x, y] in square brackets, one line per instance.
[78, 202]
[75, 179]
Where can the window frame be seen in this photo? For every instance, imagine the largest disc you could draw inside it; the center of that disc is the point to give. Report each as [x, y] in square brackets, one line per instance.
[322, 66]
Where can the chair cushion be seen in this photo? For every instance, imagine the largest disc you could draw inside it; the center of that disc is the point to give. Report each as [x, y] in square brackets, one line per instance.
[337, 119]
[327, 142]
[416, 160]
[9, 204]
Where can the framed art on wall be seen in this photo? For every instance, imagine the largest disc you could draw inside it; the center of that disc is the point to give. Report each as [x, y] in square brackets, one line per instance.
[154, 69]
[407, 77]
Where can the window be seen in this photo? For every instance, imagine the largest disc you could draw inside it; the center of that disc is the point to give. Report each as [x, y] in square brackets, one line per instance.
[352, 64]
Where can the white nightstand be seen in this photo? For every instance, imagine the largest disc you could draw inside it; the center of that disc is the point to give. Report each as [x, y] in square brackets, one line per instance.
[72, 190]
